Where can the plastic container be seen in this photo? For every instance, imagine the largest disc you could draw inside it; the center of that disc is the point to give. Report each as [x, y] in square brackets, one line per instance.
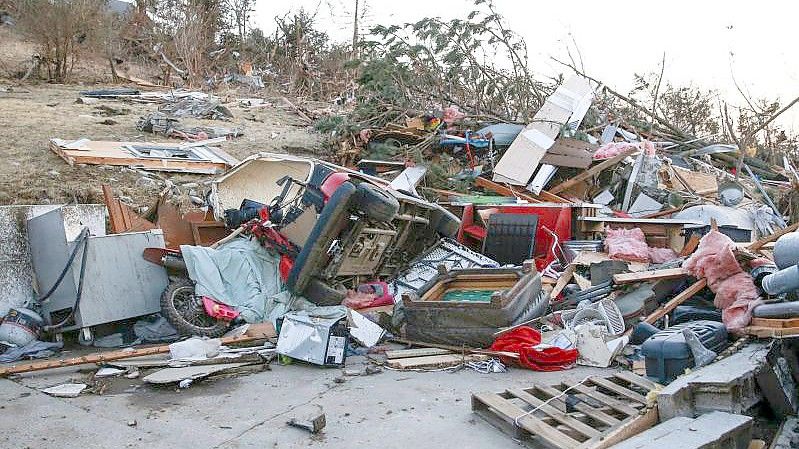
[686, 314]
[668, 355]
[20, 326]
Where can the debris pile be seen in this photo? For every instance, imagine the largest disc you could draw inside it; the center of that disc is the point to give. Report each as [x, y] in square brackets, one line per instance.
[563, 246]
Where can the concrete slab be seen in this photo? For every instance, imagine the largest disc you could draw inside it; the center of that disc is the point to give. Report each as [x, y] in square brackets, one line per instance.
[391, 409]
[715, 430]
[728, 385]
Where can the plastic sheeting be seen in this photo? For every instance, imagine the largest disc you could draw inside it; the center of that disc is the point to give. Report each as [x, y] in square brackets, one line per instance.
[241, 274]
[736, 294]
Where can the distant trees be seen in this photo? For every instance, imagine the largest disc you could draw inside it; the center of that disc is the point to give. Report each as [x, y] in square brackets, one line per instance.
[62, 29]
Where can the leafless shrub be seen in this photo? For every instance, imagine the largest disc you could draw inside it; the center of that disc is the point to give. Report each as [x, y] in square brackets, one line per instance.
[62, 29]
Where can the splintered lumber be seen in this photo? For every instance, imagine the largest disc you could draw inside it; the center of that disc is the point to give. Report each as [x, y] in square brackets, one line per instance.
[592, 171]
[768, 239]
[419, 352]
[255, 332]
[121, 217]
[563, 280]
[434, 361]
[676, 301]
[650, 275]
[507, 191]
[691, 246]
[456, 349]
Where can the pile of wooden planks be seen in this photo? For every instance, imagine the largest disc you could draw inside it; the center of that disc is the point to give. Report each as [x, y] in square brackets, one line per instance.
[596, 413]
[773, 327]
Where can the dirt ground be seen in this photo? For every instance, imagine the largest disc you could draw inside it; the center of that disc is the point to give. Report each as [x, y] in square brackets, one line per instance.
[30, 115]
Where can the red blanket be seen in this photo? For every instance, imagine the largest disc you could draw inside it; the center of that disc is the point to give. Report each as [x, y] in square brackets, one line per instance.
[524, 340]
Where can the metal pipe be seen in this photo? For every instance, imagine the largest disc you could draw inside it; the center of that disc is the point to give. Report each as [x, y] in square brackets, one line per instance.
[783, 281]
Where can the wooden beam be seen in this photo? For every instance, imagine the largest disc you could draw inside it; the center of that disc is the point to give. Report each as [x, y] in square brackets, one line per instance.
[256, 332]
[759, 244]
[592, 171]
[690, 247]
[674, 302]
[650, 275]
[507, 191]
[456, 349]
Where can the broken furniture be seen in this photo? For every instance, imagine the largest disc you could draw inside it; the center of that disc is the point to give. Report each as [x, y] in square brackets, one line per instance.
[194, 157]
[659, 232]
[594, 413]
[552, 218]
[469, 306]
[194, 227]
[117, 283]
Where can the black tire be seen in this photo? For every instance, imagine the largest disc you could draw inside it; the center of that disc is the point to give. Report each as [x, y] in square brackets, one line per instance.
[178, 300]
[444, 222]
[313, 255]
[322, 294]
[376, 203]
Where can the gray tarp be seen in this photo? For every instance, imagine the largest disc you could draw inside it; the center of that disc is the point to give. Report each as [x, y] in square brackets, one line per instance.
[240, 273]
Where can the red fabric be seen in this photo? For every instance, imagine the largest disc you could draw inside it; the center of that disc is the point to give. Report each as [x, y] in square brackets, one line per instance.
[524, 340]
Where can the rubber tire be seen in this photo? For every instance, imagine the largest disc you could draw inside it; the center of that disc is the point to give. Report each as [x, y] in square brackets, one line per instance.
[322, 294]
[376, 203]
[444, 222]
[313, 254]
[178, 322]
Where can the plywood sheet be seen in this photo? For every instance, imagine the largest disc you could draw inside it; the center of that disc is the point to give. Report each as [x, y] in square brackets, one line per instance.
[115, 153]
[521, 159]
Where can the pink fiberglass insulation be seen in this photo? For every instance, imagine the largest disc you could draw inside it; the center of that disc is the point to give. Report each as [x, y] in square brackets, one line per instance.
[736, 294]
[626, 244]
[662, 255]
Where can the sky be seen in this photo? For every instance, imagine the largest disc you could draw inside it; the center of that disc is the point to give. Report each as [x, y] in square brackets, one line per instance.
[708, 43]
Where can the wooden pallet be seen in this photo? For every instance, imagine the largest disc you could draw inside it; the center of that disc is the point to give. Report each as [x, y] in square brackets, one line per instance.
[773, 327]
[598, 413]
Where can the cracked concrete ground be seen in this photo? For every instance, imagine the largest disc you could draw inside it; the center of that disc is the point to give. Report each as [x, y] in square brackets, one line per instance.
[392, 409]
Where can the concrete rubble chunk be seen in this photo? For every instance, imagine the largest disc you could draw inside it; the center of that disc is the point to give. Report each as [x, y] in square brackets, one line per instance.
[714, 430]
[729, 385]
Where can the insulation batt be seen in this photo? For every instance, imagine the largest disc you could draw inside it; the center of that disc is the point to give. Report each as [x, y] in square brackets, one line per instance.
[626, 244]
[630, 244]
[736, 294]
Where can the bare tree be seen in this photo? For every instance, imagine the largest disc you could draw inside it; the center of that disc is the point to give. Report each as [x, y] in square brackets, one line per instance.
[61, 29]
[238, 13]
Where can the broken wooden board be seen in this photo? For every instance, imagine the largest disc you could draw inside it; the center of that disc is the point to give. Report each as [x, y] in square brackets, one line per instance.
[175, 375]
[596, 169]
[771, 332]
[597, 413]
[650, 275]
[418, 352]
[683, 296]
[570, 101]
[693, 181]
[568, 152]
[435, 361]
[151, 156]
[121, 217]
[777, 323]
[259, 332]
